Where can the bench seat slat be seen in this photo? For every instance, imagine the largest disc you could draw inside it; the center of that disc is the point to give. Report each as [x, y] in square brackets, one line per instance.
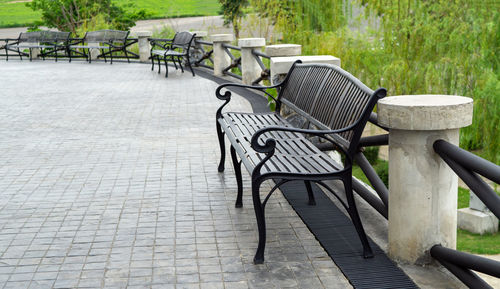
[294, 153]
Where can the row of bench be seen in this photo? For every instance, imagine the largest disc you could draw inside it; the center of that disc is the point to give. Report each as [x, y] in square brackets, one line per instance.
[59, 44]
[109, 42]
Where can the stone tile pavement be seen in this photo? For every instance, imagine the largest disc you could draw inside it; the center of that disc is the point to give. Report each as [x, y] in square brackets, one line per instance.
[108, 179]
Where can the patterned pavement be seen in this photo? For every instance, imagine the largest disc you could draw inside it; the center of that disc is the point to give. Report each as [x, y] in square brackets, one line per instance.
[108, 179]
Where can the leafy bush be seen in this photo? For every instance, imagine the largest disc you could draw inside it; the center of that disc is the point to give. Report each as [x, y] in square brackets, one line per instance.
[371, 154]
[83, 15]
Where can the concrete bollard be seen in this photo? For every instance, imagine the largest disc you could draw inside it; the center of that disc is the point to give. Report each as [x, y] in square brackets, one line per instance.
[221, 58]
[250, 68]
[281, 65]
[94, 52]
[196, 52]
[281, 50]
[144, 45]
[422, 188]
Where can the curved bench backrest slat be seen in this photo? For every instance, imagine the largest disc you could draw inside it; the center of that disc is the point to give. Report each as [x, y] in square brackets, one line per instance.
[182, 39]
[328, 97]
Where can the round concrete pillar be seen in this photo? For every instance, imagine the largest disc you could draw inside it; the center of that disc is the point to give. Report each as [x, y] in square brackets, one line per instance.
[250, 68]
[281, 65]
[144, 45]
[221, 58]
[422, 188]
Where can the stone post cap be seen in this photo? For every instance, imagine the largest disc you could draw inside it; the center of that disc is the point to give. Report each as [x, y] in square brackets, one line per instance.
[143, 33]
[251, 42]
[222, 37]
[283, 50]
[281, 65]
[200, 34]
[425, 112]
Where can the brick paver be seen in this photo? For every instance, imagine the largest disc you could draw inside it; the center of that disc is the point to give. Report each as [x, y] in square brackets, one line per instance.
[108, 179]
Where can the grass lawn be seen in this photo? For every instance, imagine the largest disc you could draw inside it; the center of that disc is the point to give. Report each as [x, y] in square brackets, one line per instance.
[17, 14]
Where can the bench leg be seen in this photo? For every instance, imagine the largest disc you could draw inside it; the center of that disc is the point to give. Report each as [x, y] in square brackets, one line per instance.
[175, 64]
[353, 213]
[189, 64]
[180, 64]
[239, 181]
[261, 222]
[222, 146]
[312, 201]
[166, 66]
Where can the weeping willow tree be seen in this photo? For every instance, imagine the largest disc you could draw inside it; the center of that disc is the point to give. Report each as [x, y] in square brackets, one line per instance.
[410, 47]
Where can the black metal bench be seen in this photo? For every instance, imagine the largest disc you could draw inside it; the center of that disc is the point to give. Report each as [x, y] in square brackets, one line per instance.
[107, 41]
[336, 107]
[49, 43]
[175, 50]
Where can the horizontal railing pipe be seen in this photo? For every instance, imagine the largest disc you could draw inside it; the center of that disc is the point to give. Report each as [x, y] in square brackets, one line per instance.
[469, 160]
[370, 198]
[372, 176]
[473, 262]
[374, 140]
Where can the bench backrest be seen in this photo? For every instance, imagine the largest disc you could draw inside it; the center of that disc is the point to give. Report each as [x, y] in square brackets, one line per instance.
[34, 36]
[44, 36]
[183, 40]
[108, 36]
[330, 98]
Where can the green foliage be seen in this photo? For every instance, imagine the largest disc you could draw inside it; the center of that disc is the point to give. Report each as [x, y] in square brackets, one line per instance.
[411, 47]
[371, 154]
[232, 11]
[74, 15]
[19, 14]
[382, 170]
[164, 32]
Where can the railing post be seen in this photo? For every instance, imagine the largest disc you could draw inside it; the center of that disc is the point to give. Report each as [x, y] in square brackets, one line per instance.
[281, 65]
[250, 68]
[221, 59]
[199, 36]
[144, 45]
[422, 188]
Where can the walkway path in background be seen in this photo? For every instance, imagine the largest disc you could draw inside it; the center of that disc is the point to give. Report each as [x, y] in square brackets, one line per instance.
[212, 24]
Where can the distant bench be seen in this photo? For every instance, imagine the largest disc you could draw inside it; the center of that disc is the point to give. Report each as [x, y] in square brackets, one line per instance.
[49, 43]
[52, 43]
[336, 107]
[175, 50]
[107, 41]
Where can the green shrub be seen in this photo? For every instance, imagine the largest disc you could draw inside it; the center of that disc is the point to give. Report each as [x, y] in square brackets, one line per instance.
[371, 154]
[418, 47]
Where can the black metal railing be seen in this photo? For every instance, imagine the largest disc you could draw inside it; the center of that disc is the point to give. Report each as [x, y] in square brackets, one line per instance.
[266, 72]
[118, 53]
[469, 168]
[3, 46]
[380, 201]
[200, 55]
[235, 61]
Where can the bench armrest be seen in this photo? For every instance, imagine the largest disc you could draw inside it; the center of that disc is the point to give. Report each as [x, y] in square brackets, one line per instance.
[269, 145]
[227, 94]
[161, 42]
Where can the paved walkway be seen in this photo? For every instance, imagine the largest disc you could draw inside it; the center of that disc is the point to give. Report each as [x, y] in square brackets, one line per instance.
[109, 180]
